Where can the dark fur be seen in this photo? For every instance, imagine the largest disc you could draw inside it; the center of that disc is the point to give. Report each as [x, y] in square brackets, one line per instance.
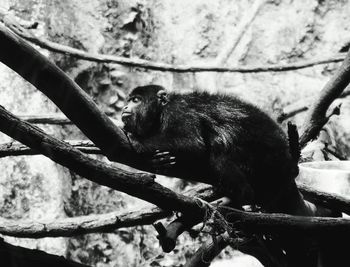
[221, 140]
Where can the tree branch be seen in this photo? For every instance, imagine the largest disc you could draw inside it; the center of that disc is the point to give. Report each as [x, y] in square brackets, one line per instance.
[80, 225]
[300, 106]
[159, 66]
[141, 185]
[316, 117]
[65, 93]
[272, 223]
[115, 220]
[18, 149]
[94, 223]
[23, 257]
[330, 201]
[56, 119]
[53, 119]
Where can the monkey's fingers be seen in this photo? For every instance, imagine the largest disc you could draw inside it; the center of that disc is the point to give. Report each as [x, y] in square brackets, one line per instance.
[163, 161]
[159, 154]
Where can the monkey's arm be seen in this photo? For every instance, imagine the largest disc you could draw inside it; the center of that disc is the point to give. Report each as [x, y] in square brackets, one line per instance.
[190, 154]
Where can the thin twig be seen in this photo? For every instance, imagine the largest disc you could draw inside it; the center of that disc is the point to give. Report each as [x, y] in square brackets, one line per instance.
[55, 119]
[133, 62]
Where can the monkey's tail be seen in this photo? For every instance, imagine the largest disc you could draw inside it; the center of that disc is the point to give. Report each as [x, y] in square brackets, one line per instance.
[293, 139]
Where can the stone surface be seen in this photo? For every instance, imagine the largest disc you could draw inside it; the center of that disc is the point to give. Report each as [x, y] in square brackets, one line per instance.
[178, 32]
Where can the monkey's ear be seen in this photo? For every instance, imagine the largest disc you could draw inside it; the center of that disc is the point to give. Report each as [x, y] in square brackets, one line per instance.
[163, 97]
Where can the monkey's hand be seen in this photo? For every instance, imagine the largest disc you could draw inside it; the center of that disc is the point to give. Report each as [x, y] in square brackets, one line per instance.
[162, 161]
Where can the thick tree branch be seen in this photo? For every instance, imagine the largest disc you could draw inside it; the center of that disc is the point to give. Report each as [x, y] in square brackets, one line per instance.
[115, 220]
[266, 223]
[159, 66]
[81, 225]
[94, 223]
[23, 257]
[65, 93]
[141, 185]
[316, 117]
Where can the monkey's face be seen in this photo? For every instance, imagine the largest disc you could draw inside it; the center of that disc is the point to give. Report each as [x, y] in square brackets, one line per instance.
[140, 115]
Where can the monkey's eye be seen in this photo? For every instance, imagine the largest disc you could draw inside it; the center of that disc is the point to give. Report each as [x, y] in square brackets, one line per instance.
[135, 99]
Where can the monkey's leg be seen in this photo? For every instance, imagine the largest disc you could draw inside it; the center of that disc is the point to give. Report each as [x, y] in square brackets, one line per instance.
[230, 179]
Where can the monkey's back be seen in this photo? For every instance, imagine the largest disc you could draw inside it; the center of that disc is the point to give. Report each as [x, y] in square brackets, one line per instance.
[238, 132]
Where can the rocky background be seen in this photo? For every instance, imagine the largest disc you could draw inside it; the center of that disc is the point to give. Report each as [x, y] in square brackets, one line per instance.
[176, 32]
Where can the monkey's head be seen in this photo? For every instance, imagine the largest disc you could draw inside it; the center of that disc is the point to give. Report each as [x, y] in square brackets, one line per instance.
[142, 112]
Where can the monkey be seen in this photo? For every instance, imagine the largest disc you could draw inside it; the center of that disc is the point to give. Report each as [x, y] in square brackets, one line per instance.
[217, 139]
[225, 141]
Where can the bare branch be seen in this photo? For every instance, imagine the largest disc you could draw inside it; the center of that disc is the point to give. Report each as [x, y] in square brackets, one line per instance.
[18, 149]
[331, 201]
[301, 106]
[80, 225]
[94, 223]
[141, 185]
[316, 117]
[114, 220]
[46, 119]
[294, 109]
[66, 94]
[269, 223]
[56, 119]
[159, 66]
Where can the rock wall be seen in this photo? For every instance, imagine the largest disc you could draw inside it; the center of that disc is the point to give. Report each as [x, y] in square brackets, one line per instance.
[178, 32]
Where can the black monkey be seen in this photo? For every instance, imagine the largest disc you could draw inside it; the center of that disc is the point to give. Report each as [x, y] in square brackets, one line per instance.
[216, 139]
